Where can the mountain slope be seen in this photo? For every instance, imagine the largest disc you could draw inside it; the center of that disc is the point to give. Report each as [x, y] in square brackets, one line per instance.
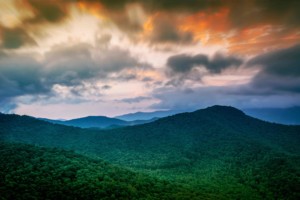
[28, 172]
[218, 150]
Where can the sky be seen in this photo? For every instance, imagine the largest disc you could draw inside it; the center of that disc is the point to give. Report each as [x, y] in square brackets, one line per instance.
[64, 59]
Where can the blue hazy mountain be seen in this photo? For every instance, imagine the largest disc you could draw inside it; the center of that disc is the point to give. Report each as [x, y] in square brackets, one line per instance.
[148, 115]
[278, 115]
[94, 122]
[97, 122]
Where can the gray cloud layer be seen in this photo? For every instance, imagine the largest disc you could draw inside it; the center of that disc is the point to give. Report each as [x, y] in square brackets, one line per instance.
[66, 66]
[280, 71]
[277, 84]
[183, 63]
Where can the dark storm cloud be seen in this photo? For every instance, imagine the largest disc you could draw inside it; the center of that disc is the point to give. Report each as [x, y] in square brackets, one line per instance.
[284, 62]
[220, 62]
[183, 63]
[20, 75]
[167, 5]
[280, 71]
[13, 38]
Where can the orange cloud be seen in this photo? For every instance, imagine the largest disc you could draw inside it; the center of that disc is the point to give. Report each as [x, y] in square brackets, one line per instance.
[207, 27]
[94, 8]
[212, 28]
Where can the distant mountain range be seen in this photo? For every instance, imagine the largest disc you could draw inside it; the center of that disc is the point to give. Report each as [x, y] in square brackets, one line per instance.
[278, 115]
[148, 115]
[97, 122]
[219, 151]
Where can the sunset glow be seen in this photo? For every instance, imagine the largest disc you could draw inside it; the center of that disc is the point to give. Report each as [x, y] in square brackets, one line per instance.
[94, 54]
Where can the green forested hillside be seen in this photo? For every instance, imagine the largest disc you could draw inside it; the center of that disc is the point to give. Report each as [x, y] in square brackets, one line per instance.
[218, 151]
[28, 172]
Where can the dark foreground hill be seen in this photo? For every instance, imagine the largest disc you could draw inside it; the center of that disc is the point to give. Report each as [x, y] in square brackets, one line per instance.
[28, 172]
[219, 151]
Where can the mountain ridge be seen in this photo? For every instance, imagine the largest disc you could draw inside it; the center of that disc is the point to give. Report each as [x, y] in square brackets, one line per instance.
[101, 122]
[148, 115]
[216, 150]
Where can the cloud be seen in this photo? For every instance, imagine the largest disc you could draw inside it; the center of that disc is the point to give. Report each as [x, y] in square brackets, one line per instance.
[135, 99]
[65, 70]
[106, 87]
[46, 11]
[249, 12]
[19, 34]
[72, 64]
[176, 22]
[186, 98]
[20, 75]
[13, 38]
[280, 71]
[164, 31]
[276, 84]
[69, 65]
[184, 63]
[166, 5]
[230, 22]
[7, 105]
[284, 62]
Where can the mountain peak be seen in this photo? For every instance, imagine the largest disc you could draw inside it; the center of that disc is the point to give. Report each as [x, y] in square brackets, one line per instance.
[224, 110]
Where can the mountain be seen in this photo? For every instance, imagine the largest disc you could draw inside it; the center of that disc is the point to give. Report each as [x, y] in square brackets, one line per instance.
[219, 151]
[29, 172]
[148, 115]
[278, 115]
[94, 121]
[97, 122]
[53, 121]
